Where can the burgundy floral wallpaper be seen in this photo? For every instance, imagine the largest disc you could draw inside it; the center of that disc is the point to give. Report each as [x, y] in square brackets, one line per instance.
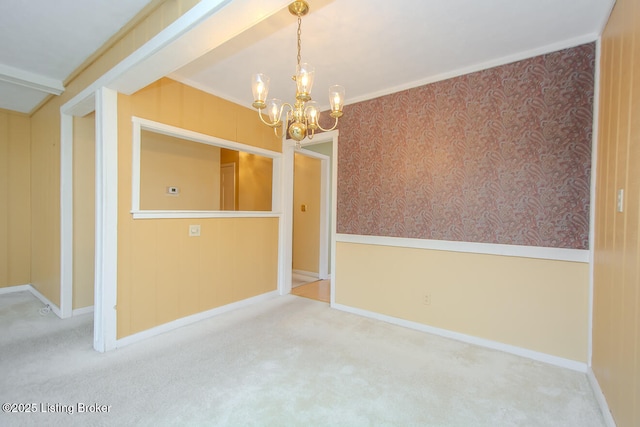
[498, 156]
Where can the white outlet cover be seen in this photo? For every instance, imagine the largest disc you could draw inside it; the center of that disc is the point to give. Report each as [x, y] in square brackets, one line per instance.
[194, 230]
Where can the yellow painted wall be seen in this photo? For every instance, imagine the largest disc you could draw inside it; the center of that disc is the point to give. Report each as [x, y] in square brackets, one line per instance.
[15, 199]
[192, 167]
[163, 274]
[616, 310]
[326, 148]
[45, 201]
[535, 304]
[306, 225]
[255, 182]
[84, 169]
[45, 140]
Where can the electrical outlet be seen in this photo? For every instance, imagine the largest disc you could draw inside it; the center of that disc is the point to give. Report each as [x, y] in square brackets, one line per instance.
[194, 230]
[426, 300]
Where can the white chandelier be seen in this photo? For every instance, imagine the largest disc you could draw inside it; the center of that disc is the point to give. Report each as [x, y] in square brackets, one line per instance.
[302, 117]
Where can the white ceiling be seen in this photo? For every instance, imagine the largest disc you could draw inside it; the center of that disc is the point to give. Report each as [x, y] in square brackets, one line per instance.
[44, 41]
[371, 47]
[374, 47]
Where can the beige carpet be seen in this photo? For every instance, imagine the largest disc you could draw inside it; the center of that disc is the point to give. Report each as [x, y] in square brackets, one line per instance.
[289, 362]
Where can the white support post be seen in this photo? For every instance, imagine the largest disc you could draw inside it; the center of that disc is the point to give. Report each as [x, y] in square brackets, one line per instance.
[106, 256]
[66, 215]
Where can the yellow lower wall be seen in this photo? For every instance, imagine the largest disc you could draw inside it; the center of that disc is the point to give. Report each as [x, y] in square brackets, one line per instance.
[306, 225]
[15, 199]
[540, 305]
[45, 201]
[84, 207]
[164, 275]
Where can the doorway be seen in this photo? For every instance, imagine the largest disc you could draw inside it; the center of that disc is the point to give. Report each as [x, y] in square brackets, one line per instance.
[312, 193]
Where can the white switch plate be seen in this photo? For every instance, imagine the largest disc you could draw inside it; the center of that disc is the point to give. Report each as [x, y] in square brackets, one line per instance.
[621, 200]
[174, 191]
[194, 230]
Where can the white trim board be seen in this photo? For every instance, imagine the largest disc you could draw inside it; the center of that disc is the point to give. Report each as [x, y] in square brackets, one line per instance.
[44, 300]
[82, 310]
[556, 254]
[184, 321]
[600, 398]
[35, 293]
[203, 214]
[494, 345]
[30, 80]
[17, 288]
[140, 124]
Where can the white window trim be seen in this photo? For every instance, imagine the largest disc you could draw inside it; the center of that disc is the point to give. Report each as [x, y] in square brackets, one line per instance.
[140, 124]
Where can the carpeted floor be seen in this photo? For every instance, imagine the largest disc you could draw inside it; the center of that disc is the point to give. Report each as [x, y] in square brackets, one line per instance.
[289, 362]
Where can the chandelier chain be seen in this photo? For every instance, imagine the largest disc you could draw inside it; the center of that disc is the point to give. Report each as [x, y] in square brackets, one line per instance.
[299, 41]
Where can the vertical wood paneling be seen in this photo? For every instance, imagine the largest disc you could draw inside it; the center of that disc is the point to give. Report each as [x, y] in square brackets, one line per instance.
[306, 225]
[15, 199]
[4, 199]
[163, 274]
[44, 239]
[45, 201]
[616, 313]
[84, 136]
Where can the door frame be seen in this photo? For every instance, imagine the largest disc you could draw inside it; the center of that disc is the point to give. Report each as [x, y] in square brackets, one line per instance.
[231, 165]
[329, 179]
[323, 228]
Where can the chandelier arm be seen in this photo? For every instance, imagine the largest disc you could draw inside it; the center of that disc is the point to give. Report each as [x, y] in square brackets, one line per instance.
[273, 125]
[328, 130]
[279, 122]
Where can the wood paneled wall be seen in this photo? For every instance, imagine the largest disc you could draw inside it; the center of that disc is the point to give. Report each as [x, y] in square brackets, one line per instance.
[163, 274]
[15, 203]
[306, 225]
[45, 140]
[616, 312]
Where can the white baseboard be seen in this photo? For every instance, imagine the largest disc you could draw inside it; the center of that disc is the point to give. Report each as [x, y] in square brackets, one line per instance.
[17, 288]
[178, 323]
[46, 301]
[306, 273]
[602, 401]
[43, 299]
[35, 293]
[82, 310]
[518, 351]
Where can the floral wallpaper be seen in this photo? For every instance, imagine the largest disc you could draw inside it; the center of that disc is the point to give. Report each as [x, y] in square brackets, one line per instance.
[498, 156]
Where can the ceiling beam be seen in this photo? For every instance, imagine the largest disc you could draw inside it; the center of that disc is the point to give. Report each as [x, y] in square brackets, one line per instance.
[33, 81]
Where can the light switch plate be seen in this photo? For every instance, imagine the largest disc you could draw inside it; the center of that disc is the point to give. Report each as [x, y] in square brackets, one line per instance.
[620, 200]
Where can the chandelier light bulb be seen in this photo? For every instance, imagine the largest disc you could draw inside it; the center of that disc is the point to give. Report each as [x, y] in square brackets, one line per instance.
[304, 81]
[260, 89]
